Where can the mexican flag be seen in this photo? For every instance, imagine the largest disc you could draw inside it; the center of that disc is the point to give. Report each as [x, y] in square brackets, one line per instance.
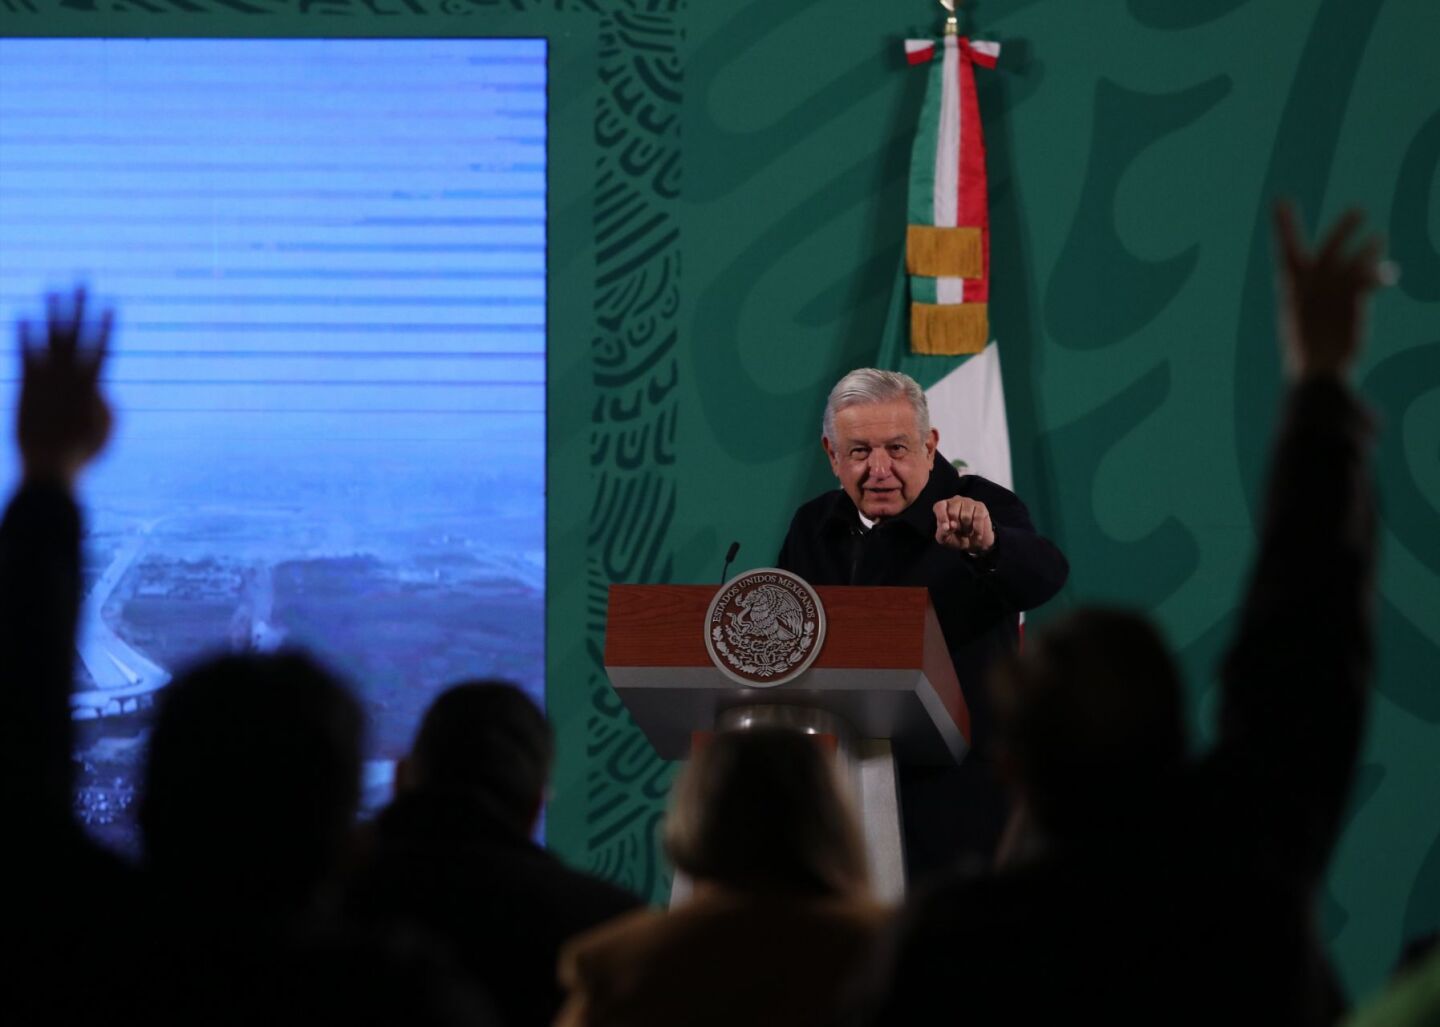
[938, 331]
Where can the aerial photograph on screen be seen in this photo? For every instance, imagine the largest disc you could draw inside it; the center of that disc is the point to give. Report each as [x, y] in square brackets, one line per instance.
[327, 260]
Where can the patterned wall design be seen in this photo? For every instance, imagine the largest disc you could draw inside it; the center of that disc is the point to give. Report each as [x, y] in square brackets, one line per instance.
[1134, 148]
[635, 411]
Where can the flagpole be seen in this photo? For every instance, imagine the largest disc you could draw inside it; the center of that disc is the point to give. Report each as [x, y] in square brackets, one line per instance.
[952, 26]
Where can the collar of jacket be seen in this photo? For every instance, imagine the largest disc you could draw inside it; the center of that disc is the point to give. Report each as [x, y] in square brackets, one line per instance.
[919, 516]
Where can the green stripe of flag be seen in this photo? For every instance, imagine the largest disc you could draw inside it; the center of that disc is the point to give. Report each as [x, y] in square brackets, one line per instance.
[920, 207]
[923, 289]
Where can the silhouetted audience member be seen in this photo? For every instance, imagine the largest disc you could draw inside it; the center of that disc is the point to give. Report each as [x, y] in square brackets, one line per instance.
[453, 856]
[250, 785]
[1156, 888]
[780, 916]
[250, 790]
[62, 892]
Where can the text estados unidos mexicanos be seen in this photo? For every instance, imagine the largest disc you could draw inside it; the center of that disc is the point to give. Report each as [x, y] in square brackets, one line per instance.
[761, 579]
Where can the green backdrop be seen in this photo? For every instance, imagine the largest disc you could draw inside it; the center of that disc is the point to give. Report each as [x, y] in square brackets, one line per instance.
[726, 221]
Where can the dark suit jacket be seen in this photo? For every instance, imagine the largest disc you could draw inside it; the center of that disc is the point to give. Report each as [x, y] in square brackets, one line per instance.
[977, 600]
[1198, 908]
[445, 865]
[949, 813]
[724, 959]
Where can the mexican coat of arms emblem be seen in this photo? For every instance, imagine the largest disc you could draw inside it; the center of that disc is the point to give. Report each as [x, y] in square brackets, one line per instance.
[764, 627]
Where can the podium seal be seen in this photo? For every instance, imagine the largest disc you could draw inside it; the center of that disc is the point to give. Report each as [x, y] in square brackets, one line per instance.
[764, 627]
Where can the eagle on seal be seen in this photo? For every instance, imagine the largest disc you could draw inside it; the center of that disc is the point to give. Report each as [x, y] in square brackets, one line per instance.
[770, 613]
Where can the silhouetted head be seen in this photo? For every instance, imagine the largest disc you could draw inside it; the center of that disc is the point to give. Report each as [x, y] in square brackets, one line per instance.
[762, 811]
[485, 740]
[252, 780]
[1089, 722]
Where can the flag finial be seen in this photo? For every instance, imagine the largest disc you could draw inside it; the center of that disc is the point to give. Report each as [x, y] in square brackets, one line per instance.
[951, 25]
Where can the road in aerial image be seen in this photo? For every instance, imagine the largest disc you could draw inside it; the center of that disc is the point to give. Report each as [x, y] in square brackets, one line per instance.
[401, 594]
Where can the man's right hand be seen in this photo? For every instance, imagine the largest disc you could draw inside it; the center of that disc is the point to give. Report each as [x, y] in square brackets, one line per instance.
[63, 420]
[963, 523]
[1322, 294]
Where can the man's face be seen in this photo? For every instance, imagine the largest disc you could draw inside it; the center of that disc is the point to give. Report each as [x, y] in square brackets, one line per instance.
[879, 456]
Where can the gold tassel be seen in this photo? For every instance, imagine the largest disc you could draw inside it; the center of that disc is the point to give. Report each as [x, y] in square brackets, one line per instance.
[943, 252]
[949, 329]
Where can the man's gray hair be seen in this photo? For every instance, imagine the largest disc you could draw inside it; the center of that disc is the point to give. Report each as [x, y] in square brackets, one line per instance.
[871, 385]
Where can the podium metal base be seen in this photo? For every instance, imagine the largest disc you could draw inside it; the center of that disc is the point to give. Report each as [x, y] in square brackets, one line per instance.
[877, 792]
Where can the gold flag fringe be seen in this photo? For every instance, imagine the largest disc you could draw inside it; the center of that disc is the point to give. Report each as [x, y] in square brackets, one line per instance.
[943, 252]
[949, 329]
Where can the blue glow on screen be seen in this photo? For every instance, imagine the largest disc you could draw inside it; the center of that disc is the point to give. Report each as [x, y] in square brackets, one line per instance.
[328, 260]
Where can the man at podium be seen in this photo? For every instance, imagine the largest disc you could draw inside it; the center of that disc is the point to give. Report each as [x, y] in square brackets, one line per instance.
[903, 517]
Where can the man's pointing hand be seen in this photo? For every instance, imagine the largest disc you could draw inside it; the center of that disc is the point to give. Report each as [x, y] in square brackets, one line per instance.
[963, 524]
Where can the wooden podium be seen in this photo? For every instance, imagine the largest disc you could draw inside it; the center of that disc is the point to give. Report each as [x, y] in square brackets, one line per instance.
[882, 683]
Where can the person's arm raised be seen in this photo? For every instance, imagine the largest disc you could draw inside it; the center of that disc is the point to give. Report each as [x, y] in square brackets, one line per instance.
[1323, 294]
[61, 424]
[1295, 679]
[63, 419]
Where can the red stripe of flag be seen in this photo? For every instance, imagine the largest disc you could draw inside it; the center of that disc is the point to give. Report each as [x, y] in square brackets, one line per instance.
[971, 207]
[920, 54]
